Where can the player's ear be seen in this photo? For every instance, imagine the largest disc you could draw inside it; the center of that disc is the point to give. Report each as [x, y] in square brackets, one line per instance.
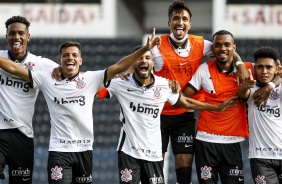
[28, 37]
[59, 62]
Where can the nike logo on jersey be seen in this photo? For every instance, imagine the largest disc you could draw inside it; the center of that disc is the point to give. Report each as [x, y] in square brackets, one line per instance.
[56, 84]
[186, 145]
[25, 179]
[183, 63]
[131, 89]
[241, 179]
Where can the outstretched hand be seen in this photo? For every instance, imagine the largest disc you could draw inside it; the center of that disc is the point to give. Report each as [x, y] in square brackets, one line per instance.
[153, 41]
[229, 103]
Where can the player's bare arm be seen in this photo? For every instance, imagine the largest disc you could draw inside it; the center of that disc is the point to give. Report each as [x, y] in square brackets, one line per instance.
[127, 61]
[242, 74]
[197, 105]
[14, 69]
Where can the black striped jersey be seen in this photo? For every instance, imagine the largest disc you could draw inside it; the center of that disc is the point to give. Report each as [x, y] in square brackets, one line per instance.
[141, 106]
[18, 97]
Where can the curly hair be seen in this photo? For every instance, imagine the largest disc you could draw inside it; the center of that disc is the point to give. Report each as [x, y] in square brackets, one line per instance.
[18, 19]
[178, 6]
[266, 52]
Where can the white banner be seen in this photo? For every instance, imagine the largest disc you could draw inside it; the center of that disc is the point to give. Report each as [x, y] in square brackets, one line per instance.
[63, 20]
[248, 20]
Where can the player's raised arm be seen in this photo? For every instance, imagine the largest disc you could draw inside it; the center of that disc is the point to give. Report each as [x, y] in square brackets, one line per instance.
[14, 69]
[127, 61]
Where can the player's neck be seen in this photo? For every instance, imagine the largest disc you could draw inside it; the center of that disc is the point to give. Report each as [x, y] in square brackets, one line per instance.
[17, 57]
[144, 82]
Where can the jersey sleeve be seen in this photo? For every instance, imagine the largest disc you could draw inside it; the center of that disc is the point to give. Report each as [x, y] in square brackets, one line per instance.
[207, 48]
[197, 79]
[98, 78]
[158, 59]
[38, 78]
[173, 98]
[113, 87]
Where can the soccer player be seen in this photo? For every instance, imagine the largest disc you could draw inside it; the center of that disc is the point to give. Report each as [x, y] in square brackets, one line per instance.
[70, 104]
[17, 104]
[142, 98]
[178, 58]
[217, 143]
[265, 126]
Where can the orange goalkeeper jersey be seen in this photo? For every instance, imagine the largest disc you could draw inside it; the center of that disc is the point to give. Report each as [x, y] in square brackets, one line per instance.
[232, 121]
[180, 68]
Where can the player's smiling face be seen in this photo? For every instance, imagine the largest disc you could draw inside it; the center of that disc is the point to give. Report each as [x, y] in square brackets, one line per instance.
[223, 48]
[17, 37]
[143, 67]
[70, 60]
[265, 69]
[179, 23]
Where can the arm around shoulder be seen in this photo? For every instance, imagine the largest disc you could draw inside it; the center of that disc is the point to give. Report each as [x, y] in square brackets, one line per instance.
[14, 69]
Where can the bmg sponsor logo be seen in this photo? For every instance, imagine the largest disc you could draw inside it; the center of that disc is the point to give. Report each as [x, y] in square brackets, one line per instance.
[71, 100]
[145, 108]
[15, 82]
[270, 110]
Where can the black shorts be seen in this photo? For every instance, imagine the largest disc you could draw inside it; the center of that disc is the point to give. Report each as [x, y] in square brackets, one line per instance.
[132, 170]
[70, 167]
[16, 151]
[213, 159]
[266, 170]
[180, 129]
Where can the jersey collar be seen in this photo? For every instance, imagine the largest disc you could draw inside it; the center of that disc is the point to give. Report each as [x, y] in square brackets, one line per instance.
[139, 85]
[71, 78]
[17, 61]
[183, 46]
[230, 72]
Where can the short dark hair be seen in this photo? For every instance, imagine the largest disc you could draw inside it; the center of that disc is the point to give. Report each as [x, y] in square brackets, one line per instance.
[222, 32]
[19, 19]
[178, 6]
[69, 44]
[266, 52]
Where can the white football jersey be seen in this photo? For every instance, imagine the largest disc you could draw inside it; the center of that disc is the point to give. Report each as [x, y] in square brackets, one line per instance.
[17, 97]
[265, 126]
[141, 106]
[70, 103]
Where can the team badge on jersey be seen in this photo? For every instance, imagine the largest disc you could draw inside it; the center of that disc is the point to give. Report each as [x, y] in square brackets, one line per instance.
[206, 172]
[29, 66]
[56, 173]
[260, 180]
[274, 95]
[157, 93]
[126, 175]
[80, 84]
